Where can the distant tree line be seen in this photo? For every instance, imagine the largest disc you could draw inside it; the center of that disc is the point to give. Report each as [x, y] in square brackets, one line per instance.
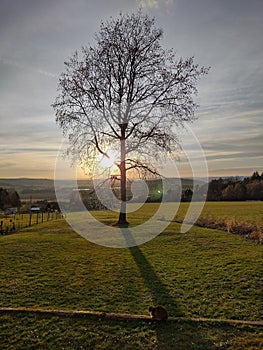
[229, 189]
[9, 198]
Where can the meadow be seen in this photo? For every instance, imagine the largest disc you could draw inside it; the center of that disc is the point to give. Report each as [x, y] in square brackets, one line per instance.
[202, 273]
[240, 211]
[16, 222]
[241, 218]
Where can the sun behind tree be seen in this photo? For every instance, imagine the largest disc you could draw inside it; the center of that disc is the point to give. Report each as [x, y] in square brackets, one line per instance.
[128, 94]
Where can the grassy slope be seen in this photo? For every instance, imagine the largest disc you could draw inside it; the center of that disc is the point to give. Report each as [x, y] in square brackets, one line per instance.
[202, 273]
[23, 220]
[53, 332]
[241, 211]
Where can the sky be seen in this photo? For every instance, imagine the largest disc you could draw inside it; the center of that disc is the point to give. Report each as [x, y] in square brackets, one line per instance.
[36, 37]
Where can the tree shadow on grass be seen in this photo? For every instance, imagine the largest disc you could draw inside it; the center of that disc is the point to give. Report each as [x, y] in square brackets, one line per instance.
[169, 334]
[159, 291]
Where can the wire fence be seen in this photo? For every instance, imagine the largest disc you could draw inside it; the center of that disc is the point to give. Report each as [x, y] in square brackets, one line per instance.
[15, 222]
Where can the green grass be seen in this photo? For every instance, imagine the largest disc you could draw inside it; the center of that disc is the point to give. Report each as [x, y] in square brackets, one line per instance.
[10, 223]
[241, 211]
[31, 331]
[203, 273]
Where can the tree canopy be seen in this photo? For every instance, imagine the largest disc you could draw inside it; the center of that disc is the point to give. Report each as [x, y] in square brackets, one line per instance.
[9, 198]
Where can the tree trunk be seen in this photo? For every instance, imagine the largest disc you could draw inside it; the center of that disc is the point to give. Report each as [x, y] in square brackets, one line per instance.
[122, 216]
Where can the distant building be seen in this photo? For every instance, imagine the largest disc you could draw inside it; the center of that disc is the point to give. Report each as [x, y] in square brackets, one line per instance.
[9, 211]
[35, 209]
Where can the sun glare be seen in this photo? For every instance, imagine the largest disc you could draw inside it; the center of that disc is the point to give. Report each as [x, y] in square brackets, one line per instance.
[109, 162]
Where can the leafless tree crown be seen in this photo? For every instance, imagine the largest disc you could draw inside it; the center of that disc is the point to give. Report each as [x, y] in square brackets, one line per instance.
[126, 88]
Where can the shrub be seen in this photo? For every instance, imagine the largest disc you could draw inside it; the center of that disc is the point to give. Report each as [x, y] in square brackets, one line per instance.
[242, 228]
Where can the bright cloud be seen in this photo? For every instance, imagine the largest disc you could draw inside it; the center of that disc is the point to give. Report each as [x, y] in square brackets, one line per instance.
[154, 3]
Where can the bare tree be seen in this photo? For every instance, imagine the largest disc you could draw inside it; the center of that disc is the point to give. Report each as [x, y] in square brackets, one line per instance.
[126, 93]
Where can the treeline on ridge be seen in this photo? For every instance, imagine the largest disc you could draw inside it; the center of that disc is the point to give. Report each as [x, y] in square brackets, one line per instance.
[250, 188]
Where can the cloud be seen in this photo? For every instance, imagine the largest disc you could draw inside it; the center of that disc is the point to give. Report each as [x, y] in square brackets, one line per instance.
[31, 68]
[16, 150]
[154, 3]
[37, 37]
[148, 3]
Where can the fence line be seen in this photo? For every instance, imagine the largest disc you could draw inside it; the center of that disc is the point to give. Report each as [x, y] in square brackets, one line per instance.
[15, 222]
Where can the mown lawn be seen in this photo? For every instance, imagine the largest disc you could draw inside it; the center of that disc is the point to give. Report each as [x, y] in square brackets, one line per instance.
[31, 331]
[203, 273]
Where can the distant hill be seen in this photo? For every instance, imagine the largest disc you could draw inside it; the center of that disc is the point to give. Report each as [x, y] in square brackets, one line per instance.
[30, 187]
[39, 189]
[26, 182]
